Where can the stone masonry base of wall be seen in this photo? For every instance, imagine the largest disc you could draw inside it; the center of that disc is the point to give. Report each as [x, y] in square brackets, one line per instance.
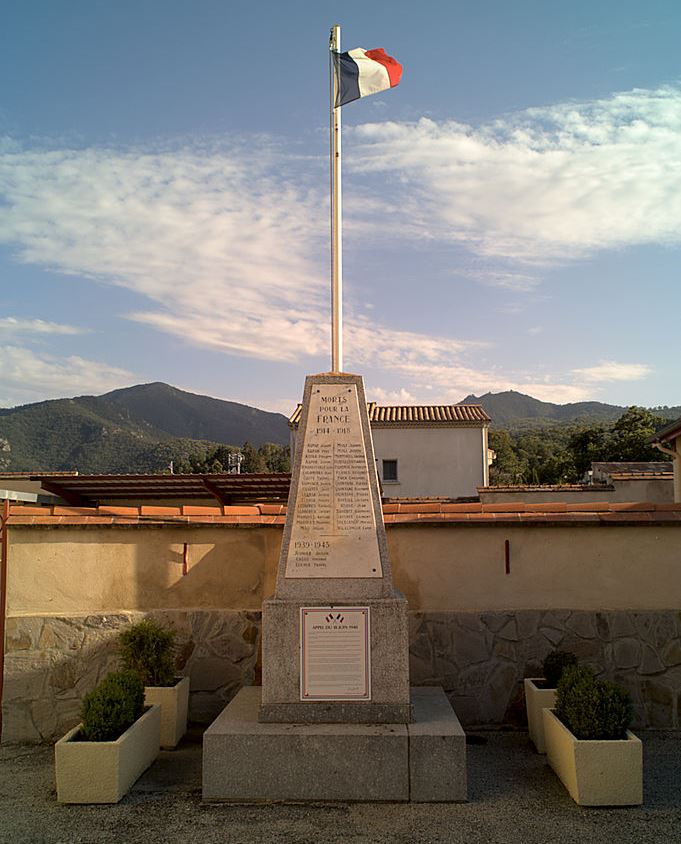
[479, 659]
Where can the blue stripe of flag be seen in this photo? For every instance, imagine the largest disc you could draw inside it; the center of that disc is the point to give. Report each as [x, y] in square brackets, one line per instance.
[347, 74]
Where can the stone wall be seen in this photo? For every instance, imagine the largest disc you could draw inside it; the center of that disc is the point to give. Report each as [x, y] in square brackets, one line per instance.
[52, 662]
[480, 658]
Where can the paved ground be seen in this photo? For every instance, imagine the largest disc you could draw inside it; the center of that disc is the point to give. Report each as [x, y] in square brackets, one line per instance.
[513, 797]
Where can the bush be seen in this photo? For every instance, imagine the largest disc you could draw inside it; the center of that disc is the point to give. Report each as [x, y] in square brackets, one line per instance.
[147, 649]
[112, 707]
[554, 665]
[590, 708]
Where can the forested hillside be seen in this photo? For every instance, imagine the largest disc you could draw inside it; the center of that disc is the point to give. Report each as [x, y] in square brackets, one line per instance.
[147, 427]
[516, 411]
[552, 454]
[138, 429]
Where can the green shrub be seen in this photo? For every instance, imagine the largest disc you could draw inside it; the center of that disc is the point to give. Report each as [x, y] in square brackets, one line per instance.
[591, 708]
[554, 665]
[147, 648]
[112, 707]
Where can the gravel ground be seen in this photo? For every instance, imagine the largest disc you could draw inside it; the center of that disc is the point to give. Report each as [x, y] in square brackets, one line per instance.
[513, 796]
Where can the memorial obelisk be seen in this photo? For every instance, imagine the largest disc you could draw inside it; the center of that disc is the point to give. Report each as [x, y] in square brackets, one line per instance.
[335, 637]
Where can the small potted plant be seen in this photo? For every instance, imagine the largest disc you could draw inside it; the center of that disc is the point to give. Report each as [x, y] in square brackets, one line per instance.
[117, 740]
[588, 743]
[148, 650]
[540, 693]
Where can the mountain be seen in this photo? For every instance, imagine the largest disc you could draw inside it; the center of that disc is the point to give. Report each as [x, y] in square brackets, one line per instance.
[511, 409]
[136, 429]
[181, 414]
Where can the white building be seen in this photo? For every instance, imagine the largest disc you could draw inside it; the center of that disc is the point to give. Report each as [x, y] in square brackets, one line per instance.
[426, 450]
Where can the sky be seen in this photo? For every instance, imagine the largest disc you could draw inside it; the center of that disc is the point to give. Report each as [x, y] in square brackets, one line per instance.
[512, 210]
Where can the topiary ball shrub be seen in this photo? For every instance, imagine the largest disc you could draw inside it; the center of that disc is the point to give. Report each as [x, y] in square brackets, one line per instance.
[148, 649]
[592, 709]
[554, 664]
[112, 707]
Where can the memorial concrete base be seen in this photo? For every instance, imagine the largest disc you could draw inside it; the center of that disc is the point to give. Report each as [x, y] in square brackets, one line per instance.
[247, 761]
[281, 690]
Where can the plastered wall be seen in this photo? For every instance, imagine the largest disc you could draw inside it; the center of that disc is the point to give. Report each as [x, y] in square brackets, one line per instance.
[440, 568]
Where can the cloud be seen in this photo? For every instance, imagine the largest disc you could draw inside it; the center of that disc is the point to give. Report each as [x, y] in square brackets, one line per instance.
[447, 383]
[546, 184]
[224, 246]
[383, 396]
[27, 377]
[610, 370]
[13, 325]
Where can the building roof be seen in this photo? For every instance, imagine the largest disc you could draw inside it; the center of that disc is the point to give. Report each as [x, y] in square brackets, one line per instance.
[669, 432]
[640, 469]
[29, 476]
[532, 488]
[90, 490]
[417, 415]
[642, 476]
[424, 512]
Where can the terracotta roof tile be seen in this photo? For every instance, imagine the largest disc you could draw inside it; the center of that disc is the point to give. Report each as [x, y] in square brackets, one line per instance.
[420, 508]
[590, 507]
[462, 508]
[418, 414]
[242, 511]
[109, 509]
[627, 505]
[148, 510]
[511, 507]
[272, 509]
[549, 507]
[413, 512]
[196, 510]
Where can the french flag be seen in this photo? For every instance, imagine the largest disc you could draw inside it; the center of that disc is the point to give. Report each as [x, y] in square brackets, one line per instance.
[363, 72]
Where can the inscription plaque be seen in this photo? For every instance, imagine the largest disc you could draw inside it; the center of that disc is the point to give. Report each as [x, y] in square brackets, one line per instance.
[334, 527]
[335, 653]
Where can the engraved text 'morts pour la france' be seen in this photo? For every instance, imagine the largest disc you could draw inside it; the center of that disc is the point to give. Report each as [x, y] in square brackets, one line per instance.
[333, 533]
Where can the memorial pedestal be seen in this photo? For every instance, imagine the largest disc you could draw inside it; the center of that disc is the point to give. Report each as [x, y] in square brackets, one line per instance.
[387, 665]
[247, 761]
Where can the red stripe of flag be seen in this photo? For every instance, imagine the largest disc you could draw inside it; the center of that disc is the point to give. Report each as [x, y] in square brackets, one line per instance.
[393, 67]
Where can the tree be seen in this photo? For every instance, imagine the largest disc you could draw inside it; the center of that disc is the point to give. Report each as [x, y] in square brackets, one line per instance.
[585, 446]
[507, 469]
[630, 434]
[5, 449]
[253, 460]
[277, 457]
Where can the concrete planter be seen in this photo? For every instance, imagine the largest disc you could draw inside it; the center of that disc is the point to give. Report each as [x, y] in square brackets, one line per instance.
[595, 773]
[174, 703]
[537, 699]
[103, 771]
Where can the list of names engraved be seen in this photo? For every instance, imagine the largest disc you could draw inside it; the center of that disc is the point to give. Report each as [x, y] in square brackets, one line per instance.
[335, 659]
[334, 528]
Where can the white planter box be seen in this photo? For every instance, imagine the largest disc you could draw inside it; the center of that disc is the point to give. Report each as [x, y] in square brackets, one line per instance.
[103, 771]
[596, 773]
[537, 699]
[174, 702]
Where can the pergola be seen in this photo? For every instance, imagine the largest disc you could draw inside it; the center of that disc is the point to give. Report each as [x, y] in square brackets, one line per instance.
[91, 490]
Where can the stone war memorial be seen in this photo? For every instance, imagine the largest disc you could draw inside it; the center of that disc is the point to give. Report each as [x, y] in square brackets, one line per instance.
[335, 718]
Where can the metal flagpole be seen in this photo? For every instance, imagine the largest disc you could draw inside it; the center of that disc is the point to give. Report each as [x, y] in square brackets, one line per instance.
[336, 217]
